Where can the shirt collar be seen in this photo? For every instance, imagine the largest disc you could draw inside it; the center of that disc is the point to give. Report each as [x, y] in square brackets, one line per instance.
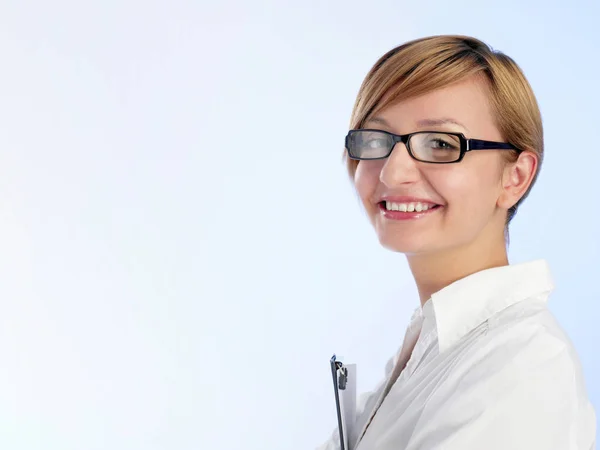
[465, 304]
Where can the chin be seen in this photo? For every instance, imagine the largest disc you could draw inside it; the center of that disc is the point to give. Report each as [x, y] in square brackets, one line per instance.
[407, 238]
[407, 246]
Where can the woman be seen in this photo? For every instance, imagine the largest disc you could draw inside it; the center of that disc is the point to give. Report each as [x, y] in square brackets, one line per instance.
[446, 142]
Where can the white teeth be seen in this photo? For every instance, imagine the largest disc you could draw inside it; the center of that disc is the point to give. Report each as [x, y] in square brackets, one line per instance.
[407, 207]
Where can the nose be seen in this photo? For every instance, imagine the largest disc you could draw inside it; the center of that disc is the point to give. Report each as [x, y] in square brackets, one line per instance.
[399, 167]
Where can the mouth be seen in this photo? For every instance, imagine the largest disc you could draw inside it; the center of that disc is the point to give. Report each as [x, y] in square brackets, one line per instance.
[409, 210]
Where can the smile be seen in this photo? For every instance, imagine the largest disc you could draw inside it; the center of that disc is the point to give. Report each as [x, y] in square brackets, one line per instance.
[406, 211]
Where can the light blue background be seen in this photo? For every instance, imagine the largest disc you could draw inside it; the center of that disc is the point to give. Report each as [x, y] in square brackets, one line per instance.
[180, 249]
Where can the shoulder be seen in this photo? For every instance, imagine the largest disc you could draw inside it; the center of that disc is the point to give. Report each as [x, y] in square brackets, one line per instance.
[524, 349]
[516, 382]
[527, 334]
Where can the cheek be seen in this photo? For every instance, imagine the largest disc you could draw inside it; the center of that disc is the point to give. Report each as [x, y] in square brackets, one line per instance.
[470, 189]
[366, 180]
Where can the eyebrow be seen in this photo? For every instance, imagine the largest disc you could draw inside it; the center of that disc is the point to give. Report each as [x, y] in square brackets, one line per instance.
[422, 123]
[379, 120]
[438, 122]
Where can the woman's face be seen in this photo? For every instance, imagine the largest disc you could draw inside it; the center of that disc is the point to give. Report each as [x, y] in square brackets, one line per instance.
[469, 194]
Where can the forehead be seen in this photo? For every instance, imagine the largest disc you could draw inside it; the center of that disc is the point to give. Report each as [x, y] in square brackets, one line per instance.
[464, 106]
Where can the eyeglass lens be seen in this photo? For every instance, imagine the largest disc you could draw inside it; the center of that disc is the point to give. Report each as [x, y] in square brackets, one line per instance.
[425, 146]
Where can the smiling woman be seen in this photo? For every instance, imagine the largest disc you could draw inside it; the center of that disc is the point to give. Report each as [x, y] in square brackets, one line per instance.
[446, 141]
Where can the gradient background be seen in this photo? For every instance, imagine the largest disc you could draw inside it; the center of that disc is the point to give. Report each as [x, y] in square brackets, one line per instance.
[180, 248]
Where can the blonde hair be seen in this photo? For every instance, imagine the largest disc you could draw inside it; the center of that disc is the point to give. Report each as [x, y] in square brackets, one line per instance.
[424, 65]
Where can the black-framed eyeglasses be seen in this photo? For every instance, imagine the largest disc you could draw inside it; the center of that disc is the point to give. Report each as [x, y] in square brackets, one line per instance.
[426, 146]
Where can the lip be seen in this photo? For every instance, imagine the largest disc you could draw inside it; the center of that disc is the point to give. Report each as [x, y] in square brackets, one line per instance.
[400, 215]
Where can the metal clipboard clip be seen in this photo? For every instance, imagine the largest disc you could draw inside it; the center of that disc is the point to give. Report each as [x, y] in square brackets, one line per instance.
[344, 387]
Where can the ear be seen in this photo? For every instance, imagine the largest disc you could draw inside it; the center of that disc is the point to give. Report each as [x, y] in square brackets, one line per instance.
[516, 179]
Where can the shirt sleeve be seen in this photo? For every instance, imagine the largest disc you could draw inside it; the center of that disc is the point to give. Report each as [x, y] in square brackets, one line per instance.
[528, 407]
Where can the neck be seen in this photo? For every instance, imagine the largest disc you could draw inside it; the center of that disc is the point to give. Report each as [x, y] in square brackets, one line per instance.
[433, 272]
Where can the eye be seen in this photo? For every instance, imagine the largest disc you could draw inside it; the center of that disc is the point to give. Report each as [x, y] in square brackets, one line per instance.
[375, 143]
[374, 140]
[441, 144]
[438, 142]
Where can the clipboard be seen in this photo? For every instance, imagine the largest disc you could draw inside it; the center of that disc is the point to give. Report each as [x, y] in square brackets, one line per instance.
[344, 388]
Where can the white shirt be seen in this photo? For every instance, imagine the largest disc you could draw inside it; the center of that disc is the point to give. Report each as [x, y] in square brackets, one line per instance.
[484, 365]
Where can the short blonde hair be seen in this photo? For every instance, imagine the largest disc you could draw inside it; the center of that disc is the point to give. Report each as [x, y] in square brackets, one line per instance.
[424, 65]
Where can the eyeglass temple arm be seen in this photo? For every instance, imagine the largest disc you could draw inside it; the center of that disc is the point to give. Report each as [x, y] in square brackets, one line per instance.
[477, 144]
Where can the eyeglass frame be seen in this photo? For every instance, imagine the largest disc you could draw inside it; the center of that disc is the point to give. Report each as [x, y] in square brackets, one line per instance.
[466, 145]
